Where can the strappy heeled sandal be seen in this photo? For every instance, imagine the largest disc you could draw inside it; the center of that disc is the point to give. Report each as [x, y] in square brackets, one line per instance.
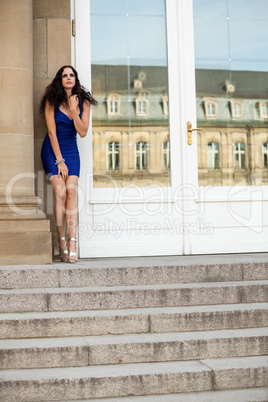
[72, 257]
[63, 253]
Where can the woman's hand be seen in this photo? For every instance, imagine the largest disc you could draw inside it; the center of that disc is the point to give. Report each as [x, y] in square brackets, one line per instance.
[73, 102]
[63, 171]
[81, 123]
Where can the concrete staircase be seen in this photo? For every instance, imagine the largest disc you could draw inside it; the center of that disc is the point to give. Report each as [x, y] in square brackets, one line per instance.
[152, 329]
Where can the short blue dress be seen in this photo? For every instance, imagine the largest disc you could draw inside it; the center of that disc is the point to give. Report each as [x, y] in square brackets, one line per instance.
[67, 138]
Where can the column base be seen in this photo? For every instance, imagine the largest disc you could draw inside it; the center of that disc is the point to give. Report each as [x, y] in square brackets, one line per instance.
[27, 242]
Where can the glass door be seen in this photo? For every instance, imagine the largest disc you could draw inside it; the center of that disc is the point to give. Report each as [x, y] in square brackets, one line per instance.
[231, 74]
[134, 160]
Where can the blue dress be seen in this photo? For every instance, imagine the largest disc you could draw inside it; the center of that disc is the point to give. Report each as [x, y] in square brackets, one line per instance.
[66, 134]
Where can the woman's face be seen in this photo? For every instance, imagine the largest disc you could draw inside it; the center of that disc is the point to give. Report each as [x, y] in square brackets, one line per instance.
[68, 78]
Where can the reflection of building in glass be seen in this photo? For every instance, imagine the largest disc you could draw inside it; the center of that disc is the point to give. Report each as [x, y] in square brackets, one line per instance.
[232, 148]
[131, 126]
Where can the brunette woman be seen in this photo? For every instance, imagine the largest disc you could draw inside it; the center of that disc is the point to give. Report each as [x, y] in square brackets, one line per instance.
[66, 105]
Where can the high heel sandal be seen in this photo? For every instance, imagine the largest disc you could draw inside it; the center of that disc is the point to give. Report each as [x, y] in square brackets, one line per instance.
[63, 253]
[72, 257]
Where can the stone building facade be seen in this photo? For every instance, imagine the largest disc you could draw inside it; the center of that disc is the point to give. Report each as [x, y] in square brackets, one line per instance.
[35, 43]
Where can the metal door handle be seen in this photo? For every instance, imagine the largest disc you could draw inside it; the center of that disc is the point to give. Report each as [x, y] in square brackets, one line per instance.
[189, 132]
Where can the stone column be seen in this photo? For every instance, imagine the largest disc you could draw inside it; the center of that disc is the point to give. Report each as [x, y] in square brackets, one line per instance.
[24, 233]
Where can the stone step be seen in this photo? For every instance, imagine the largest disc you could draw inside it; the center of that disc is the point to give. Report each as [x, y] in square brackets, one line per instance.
[154, 320]
[120, 273]
[121, 297]
[133, 379]
[126, 349]
[235, 395]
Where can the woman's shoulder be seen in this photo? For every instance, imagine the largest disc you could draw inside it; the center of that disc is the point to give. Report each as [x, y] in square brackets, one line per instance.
[49, 106]
[85, 104]
[85, 101]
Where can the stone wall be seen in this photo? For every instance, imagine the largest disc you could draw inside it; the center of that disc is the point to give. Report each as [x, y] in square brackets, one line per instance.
[25, 236]
[51, 50]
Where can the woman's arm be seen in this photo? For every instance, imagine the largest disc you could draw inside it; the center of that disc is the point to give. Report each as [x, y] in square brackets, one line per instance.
[51, 127]
[81, 125]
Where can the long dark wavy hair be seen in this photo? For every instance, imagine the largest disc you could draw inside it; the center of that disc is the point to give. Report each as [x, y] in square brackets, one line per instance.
[56, 95]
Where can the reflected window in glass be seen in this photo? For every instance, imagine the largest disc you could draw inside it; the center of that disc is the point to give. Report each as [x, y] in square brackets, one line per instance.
[113, 102]
[113, 156]
[165, 106]
[142, 107]
[265, 155]
[211, 109]
[213, 156]
[240, 155]
[166, 154]
[141, 155]
[236, 109]
[264, 110]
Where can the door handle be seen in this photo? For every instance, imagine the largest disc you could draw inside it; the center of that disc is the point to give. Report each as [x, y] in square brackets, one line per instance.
[189, 132]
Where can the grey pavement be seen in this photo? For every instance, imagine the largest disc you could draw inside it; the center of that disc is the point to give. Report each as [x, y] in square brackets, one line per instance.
[158, 260]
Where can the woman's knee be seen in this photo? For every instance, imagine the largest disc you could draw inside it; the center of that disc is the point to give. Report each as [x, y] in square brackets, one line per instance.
[60, 194]
[71, 193]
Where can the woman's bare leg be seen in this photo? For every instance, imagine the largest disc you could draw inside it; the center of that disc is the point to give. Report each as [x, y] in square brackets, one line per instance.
[71, 209]
[59, 187]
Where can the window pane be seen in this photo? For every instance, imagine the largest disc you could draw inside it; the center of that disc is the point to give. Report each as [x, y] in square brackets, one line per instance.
[113, 156]
[129, 58]
[141, 156]
[211, 109]
[237, 109]
[265, 110]
[109, 7]
[265, 156]
[213, 156]
[240, 157]
[232, 69]
[166, 155]
[148, 7]
[116, 45]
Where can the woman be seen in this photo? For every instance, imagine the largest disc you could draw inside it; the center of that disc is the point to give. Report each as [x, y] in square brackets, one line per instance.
[66, 105]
